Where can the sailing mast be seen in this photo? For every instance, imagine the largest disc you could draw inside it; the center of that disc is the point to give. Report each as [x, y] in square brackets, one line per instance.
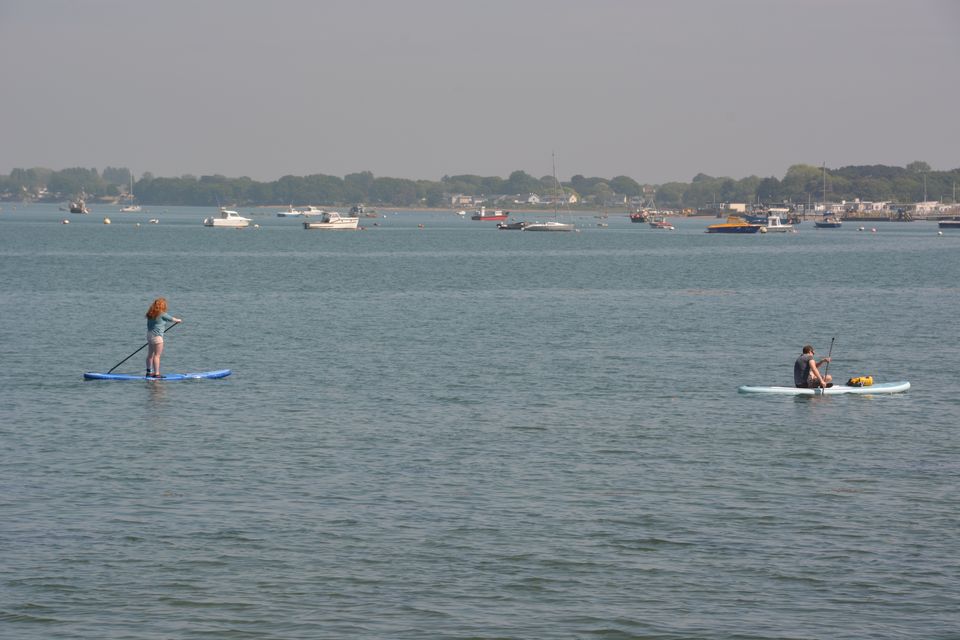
[556, 185]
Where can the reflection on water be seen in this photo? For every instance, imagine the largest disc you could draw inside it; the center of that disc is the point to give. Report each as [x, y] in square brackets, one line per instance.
[156, 393]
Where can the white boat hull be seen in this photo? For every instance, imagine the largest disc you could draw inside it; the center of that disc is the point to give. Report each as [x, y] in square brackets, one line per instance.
[549, 226]
[219, 222]
[333, 222]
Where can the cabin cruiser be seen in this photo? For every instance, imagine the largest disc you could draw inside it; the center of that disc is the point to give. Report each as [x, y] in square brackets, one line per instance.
[333, 220]
[775, 225]
[227, 218]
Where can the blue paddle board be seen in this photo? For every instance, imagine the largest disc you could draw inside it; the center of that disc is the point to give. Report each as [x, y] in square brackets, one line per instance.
[222, 373]
[837, 389]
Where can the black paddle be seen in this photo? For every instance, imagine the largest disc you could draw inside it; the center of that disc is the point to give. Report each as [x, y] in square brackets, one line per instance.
[826, 369]
[829, 353]
[139, 350]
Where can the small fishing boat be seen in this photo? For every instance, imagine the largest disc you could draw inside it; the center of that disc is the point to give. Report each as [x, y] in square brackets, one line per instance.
[734, 224]
[776, 225]
[361, 211]
[227, 218]
[483, 214]
[78, 206]
[661, 223]
[830, 222]
[333, 220]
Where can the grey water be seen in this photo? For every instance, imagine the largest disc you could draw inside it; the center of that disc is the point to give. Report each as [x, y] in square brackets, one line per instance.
[435, 429]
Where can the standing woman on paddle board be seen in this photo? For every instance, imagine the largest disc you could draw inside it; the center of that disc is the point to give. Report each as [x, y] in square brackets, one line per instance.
[157, 317]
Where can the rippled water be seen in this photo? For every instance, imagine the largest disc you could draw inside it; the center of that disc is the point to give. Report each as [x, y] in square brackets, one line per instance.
[459, 432]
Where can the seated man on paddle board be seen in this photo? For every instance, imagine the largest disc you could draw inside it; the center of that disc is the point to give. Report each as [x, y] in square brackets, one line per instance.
[806, 370]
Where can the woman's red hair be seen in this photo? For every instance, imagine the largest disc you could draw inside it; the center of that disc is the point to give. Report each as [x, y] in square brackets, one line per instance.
[159, 306]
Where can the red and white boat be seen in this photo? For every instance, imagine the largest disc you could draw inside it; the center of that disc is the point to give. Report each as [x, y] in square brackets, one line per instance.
[661, 223]
[483, 214]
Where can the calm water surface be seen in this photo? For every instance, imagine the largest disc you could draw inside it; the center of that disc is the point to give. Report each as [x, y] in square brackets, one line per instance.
[458, 432]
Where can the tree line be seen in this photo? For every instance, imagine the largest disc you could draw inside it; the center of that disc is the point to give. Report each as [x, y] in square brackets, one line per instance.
[801, 184]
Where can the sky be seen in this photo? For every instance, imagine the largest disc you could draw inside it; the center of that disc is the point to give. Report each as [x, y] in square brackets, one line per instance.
[657, 90]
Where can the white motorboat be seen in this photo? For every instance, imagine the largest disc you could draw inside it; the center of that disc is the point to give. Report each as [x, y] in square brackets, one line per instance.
[227, 218]
[775, 225]
[333, 220]
[130, 208]
[306, 212]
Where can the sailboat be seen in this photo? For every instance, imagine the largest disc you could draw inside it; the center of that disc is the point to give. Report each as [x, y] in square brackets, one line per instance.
[828, 222]
[132, 207]
[552, 225]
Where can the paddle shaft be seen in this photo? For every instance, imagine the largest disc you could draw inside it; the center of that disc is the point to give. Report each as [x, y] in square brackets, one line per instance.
[139, 350]
[829, 353]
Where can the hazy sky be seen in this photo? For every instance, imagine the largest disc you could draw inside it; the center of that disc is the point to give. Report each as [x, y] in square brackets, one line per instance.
[658, 90]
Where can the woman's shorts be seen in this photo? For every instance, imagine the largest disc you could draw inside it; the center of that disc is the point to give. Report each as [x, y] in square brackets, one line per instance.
[154, 339]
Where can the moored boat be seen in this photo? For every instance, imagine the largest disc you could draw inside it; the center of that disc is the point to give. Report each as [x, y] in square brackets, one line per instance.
[333, 220]
[519, 225]
[495, 214]
[776, 225]
[227, 218]
[734, 224]
[307, 212]
[78, 206]
[949, 224]
[661, 223]
[130, 208]
[550, 225]
[361, 211]
[829, 222]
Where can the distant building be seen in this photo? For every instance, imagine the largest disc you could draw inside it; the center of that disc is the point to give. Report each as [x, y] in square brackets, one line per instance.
[461, 200]
[858, 206]
[567, 198]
